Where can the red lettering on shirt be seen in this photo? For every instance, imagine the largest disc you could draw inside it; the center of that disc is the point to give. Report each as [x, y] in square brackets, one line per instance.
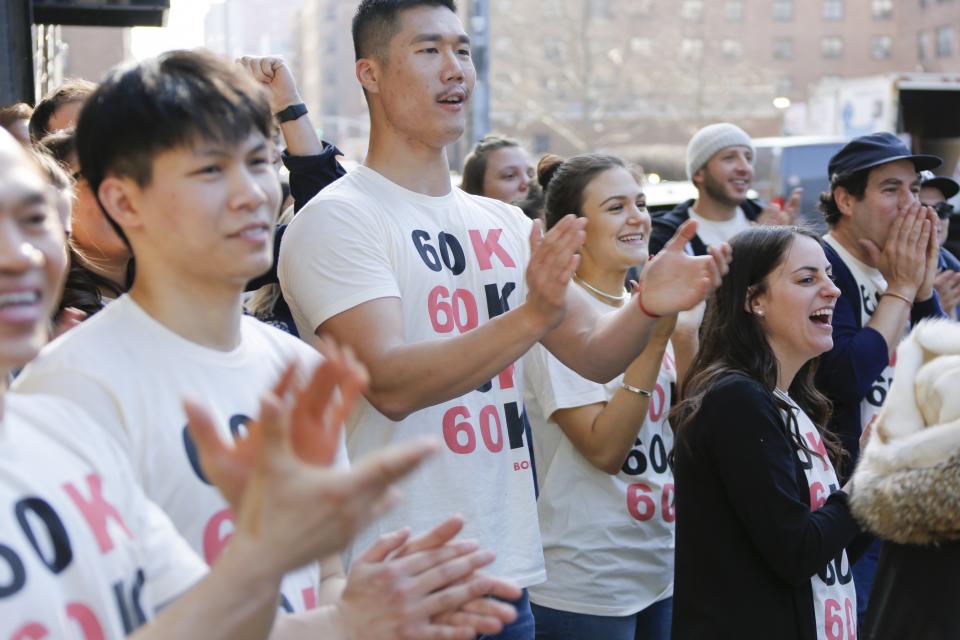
[487, 247]
[85, 618]
[505, 378]
[818, 496]
[309, 596]
[216, 535]
[30, 631]
[817, 445]
[97, 511]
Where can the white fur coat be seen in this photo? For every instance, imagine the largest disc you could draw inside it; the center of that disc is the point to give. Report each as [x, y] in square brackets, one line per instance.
[906, 487]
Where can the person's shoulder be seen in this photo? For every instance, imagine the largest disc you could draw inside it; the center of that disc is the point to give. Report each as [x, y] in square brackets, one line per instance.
[62, 423]
[264, 337]
[674, 217]
[93, 341]
[736, 391]
[751, 209]
[951, 261]
[509, 213]
[350, 192]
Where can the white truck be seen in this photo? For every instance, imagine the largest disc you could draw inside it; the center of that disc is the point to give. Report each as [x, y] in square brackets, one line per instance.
[922, 108]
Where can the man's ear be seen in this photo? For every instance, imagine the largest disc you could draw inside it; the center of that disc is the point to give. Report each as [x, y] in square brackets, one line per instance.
[118, 197]
[368, 74]
[697, 178]
[844, 200]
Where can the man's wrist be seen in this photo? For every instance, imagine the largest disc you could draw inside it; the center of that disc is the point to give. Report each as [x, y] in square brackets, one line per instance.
[279, 104]
[342, 621]
[904, 293]
[243, 561]
[291, 113]
[535, 324]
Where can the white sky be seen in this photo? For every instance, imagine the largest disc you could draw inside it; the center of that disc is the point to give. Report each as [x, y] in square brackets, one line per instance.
[184, 30]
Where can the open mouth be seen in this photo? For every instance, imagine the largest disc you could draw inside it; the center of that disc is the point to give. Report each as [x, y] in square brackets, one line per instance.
[631, 238]
[453, 98]
[252, 232]
[822, 317]
[17, 299]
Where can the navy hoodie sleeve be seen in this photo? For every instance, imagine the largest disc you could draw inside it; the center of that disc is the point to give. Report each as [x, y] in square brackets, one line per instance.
[758, 467]
[859, 355]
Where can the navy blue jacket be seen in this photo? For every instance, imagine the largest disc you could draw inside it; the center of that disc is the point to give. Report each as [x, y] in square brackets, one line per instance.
[847, 372]
[664, 225]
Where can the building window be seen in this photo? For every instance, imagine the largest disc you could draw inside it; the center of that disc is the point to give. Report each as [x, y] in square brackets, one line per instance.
[691, 48]
[881, 47]
[783, 10]
[923, 45]
[833, 10]
[731, 48]
[831, 47]
[782, 48]
[881, 9]
[692, 10]
[733, 10]
[944, 42]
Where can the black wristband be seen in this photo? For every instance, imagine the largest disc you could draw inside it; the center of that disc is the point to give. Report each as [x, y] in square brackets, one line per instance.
[292, 112]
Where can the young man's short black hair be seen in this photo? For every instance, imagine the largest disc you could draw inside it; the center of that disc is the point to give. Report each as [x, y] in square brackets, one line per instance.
[856, 185]
[376, 22]
[174, 100]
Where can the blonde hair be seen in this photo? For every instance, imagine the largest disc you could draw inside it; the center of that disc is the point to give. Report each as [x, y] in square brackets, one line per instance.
[264, 299]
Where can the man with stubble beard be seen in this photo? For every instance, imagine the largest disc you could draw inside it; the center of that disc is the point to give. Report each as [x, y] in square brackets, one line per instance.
[720, 164]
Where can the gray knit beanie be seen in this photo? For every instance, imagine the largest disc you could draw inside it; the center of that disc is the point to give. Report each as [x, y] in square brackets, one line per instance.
[711, 139]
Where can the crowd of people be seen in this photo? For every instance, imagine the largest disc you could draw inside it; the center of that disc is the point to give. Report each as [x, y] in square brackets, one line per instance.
[375, 405]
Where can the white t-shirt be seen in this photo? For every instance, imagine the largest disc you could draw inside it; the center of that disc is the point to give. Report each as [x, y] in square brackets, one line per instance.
[714, 232]
[608, 541]
[83, 553]
[872, 285]
[834, 594]
[454, 261]
[131, 374]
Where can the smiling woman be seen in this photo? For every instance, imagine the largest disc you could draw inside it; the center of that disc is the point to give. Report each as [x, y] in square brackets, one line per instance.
[755, 471]
[602, 450]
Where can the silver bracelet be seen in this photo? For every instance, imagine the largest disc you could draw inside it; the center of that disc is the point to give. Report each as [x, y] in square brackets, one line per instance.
[636, 390]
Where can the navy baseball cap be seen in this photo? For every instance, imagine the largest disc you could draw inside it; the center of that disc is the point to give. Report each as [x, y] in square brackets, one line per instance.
[947, 186]
[874, 150]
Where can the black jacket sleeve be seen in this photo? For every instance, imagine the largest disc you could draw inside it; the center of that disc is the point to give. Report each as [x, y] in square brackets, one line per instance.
[310, 174]
[759, 468]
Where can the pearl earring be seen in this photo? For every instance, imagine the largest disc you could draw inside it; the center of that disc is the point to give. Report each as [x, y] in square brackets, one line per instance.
[759, 312]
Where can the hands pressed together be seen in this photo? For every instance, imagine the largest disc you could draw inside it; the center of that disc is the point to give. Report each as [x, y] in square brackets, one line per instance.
[908, 260]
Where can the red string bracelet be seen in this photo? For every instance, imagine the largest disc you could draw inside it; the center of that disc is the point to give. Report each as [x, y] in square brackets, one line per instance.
[643, 309]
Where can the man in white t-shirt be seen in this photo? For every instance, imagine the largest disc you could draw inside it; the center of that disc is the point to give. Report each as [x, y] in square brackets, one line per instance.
[177, 150]
[883, 248]
[441, 292]
[720, 164]
[83, 553]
